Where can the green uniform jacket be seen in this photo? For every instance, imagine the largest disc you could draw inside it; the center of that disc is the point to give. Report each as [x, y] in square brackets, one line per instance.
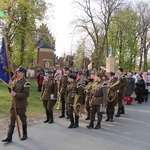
[63, 84]
[49, 87]
[71, 92]
[97, 93]
[22, 89]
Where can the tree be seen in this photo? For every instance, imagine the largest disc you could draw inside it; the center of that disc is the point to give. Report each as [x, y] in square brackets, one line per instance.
[122, 36]
[20, 24]
[79, 56]
[143, 9]
[95, 23]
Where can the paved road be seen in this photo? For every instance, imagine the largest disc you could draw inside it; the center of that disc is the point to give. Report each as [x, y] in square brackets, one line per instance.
[129, 132]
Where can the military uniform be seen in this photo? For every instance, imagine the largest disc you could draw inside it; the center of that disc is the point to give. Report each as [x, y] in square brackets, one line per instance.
[88, 89]
[97, 98]
[71, 92]
[49, 97]
[120, 87]
[63, 87]
[110, 108]
[20, 92]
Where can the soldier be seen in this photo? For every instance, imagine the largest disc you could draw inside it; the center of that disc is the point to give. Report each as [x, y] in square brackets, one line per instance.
[120, 87]
[88, 89]
[71, 91]
[97, 98]
[63, 87]
[49, 95]
[81, 83]
[110, 108]
[19, 89]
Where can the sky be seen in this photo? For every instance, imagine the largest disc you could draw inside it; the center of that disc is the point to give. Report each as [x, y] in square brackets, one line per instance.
[60, 26]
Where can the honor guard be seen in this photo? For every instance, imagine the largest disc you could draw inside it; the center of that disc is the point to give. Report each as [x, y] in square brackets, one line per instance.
[63, 87]
[49, 95]
[97, 98]
[19, 88]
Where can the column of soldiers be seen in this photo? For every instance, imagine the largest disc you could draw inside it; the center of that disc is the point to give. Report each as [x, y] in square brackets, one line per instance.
[80, 93]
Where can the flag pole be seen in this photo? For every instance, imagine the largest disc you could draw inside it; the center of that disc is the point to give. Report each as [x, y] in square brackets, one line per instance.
[14, 102]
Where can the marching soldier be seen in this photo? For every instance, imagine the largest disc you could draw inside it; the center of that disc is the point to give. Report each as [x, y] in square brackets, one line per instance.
[97, 98]
[20, 91]
[49, 95]
[63, 87]
[71, 92]
[112, 100]
[120, 87]
[88, 89]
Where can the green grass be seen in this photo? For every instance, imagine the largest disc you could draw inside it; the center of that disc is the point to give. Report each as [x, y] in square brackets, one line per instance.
[35, 106]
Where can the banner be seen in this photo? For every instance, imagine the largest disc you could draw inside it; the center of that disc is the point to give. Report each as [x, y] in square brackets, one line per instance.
[6, 70]
[90, 66]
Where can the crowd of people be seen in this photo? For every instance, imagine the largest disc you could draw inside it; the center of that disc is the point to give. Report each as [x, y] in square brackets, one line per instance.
[97, 92]
[93, 91]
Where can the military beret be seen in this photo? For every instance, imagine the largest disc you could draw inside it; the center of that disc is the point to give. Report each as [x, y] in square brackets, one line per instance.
[121, 69]
[72, 76]
[112, 74]
[48, 72]
[66, 68]
[22, 69]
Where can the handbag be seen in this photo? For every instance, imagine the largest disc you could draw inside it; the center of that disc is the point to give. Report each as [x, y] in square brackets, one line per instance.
[133, 95]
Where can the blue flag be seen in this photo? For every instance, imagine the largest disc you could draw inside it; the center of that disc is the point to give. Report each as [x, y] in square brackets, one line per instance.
[4, 62]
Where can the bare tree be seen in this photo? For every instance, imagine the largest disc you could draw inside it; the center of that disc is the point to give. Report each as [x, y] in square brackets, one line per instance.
[143, 9]
[95, 23]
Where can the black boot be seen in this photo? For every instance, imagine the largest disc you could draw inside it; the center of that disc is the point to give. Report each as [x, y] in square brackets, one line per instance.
[118, 113]
[24, 128]
[76, 122]
[122, 110]
[62, 116]
[71, 125]
[9, 135]
[91, 125]
[98, 126]
[47, 116]
[107, 119]
[51, 117]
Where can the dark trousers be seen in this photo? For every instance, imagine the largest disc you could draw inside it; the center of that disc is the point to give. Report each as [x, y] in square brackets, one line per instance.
[110, 109]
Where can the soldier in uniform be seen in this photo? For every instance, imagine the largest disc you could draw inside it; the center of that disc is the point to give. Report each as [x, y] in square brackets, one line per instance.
[81, 83]
[110, 108]
[49, 95]
[19, 90]
[97, 97]
[88, 89]
[120, 87]
[63, 87]
[71, 91]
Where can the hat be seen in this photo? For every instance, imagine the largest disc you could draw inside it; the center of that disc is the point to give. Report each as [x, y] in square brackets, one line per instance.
[48, 72]
[112, 74]
[66, 68]
[21, 69]
[121, 69]
[72, 76]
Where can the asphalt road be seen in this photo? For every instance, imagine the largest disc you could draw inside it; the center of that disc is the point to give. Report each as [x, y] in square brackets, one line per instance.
[128, 132]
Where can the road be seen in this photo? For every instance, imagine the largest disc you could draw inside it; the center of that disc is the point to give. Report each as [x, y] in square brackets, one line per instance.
[128, 132]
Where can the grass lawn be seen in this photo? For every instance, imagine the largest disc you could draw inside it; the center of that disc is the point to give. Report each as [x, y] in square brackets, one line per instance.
[35, 106]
